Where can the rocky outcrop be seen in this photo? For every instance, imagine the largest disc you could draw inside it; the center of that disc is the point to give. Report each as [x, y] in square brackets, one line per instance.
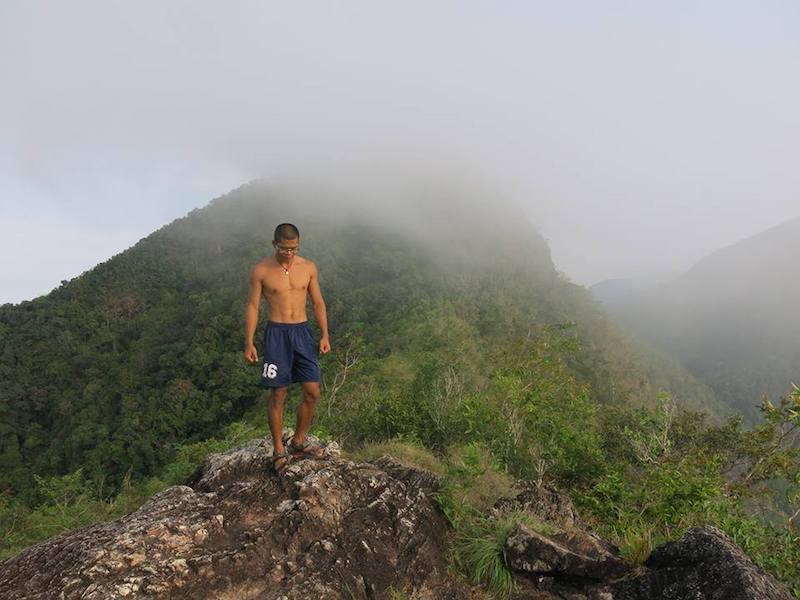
[325, 529]
[544, 501]
[705, 564]
[566, 553]
[562, 546]
[336, 529]
[571, 563]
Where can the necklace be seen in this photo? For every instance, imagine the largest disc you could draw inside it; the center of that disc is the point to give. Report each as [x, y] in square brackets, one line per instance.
[286, 268]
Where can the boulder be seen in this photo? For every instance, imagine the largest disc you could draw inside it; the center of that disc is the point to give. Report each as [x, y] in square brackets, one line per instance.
[569, 554]
[705, 564]
[325, 529]
[544, 501]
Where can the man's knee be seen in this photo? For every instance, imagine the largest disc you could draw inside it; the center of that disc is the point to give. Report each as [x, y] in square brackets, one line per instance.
[277, 396]
[311, 395]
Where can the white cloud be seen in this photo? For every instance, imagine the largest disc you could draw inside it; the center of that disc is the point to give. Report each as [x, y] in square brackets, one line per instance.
[36, 256]
[639, 135]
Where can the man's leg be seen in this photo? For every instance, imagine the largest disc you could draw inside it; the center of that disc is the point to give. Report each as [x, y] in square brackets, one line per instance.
[275, 402]
[305, 411]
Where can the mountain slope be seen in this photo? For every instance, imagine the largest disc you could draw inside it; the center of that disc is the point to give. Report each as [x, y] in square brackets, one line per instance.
[732, 319]
[114, 368]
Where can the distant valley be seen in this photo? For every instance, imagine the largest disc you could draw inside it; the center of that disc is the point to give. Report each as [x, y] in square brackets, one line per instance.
[732, 319]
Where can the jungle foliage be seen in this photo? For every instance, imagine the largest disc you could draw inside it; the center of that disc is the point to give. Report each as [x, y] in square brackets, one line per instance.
[453, 334]
[115, 368]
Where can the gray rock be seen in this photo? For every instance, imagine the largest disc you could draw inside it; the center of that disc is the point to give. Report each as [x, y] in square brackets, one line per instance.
[418, 478]
[703, 565]
[544, 501]
[566, 554]
[326, 529]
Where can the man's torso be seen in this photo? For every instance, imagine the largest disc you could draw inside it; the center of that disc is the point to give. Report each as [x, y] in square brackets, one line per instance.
[285, 292]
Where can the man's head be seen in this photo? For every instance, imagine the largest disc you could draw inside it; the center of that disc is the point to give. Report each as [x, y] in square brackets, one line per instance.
[286, 241]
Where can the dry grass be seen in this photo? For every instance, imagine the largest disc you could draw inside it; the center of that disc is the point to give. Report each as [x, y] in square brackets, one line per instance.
[486, 489]
[409, 454]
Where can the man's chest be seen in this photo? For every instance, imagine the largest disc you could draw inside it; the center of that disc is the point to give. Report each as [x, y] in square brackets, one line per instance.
[278, 281]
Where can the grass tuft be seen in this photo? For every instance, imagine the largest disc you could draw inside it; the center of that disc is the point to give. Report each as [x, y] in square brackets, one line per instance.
[479, 553]
[395, 594]
[635, 545]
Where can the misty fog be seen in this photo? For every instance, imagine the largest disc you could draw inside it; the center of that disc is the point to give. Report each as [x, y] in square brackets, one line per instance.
[637, 138]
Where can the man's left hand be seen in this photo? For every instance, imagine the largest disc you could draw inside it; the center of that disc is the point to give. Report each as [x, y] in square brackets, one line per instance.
[324, 345]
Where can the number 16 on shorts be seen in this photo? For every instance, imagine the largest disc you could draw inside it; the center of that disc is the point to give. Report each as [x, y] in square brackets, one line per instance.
[270, 371]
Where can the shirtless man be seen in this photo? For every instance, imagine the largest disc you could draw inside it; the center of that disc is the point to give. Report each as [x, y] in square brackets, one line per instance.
[290, 356]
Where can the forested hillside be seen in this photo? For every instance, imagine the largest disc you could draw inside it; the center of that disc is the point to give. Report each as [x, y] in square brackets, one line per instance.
[732, 319]
[454, 338]
[115, 367]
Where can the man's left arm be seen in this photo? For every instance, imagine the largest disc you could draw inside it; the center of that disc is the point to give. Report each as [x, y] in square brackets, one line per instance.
[320, 313]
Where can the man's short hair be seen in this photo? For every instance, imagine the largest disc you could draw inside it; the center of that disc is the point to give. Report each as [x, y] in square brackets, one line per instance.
[286, 231]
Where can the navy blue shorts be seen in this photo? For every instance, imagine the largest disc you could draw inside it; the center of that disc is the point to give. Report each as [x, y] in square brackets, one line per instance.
[290, 355]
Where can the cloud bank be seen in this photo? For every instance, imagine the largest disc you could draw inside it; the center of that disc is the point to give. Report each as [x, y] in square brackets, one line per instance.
[637, 137]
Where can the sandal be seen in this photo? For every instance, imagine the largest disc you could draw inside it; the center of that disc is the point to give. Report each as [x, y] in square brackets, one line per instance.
[306, 450]
[280, 462]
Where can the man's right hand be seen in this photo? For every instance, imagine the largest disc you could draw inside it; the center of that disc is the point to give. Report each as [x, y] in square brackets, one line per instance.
[251, 354]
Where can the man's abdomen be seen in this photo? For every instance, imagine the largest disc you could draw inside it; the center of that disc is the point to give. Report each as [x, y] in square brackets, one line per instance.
[291, 309]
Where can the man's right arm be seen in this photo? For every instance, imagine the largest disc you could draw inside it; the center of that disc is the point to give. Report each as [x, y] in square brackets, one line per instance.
[251, 316]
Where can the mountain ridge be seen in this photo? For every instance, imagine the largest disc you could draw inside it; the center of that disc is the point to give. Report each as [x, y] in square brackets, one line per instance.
[457, 340]
[730, 319]
[148, 342]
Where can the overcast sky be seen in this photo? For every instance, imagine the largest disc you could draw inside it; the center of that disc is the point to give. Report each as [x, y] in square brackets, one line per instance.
[639, 136]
